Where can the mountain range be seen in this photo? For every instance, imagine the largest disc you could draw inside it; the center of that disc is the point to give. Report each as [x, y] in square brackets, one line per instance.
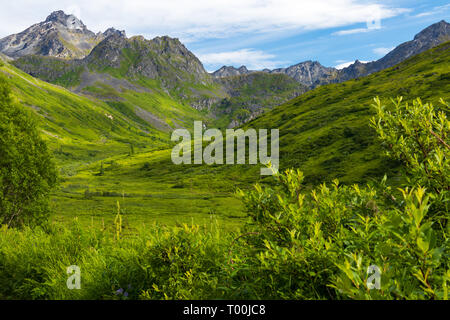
[312, 73]
[308, 73]
[110, 66]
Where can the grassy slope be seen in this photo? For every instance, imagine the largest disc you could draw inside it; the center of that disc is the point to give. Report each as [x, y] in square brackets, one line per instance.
[176, 90]
[82, 137]
[160, 109]
[78, 128]
[325, 132]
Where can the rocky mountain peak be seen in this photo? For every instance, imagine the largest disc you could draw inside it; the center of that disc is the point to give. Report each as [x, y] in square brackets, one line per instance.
[308, 73]
[112, 31]
[428, 38]
[227, 71]
[60, 35]
[66, 20]
[434, 31]
[163, 58]
[243, 69]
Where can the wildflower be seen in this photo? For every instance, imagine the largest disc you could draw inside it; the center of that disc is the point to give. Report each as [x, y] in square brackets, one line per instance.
[120, 291]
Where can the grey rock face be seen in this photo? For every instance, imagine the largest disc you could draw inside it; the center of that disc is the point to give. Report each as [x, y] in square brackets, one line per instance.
[68, 21]
[163, 58]
[308, 73]
[426, 39]
[112, 31]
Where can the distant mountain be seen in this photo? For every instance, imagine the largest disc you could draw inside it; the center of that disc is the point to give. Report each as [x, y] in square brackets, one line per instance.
[117, 66]
[230, 71]
[308, 73]
[162, 58]
[121, 71]
[312, 73]
[428, 38]
[60, 35]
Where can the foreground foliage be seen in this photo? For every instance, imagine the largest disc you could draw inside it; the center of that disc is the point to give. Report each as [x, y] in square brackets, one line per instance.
[299, 243]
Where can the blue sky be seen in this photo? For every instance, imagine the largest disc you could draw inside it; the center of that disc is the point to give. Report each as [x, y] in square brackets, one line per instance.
[256, 33]
[329, 46]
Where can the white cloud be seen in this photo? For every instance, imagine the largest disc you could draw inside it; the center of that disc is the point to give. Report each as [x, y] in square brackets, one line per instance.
[425, 14]
[382, 51]
[435, 10]
[199, 19]
[351, 31]
[252, 59]
[346, 64]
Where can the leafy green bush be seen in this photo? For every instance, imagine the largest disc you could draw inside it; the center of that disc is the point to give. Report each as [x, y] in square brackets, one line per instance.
[27, 173]
[307, 243]
[418, 135]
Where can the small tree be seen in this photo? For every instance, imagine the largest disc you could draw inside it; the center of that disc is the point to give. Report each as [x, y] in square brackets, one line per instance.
[27, 172]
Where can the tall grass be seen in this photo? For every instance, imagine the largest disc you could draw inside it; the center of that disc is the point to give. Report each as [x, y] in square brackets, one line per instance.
[154, 262]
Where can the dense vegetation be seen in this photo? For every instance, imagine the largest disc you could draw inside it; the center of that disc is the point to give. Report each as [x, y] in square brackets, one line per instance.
[27, 172]
[297, 244]
[302, 239]
[329, 135]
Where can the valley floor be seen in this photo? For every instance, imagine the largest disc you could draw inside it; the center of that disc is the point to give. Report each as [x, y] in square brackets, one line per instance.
[150, 188]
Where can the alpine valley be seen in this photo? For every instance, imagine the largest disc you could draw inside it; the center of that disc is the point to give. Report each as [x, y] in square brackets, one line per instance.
[364, 180]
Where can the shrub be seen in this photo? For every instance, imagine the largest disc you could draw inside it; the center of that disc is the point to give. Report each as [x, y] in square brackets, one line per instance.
[418, 135]
[308, 242]
[158, 263]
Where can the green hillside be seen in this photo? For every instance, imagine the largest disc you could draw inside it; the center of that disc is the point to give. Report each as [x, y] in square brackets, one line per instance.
[325, 132]
[87, 132]
[104, 119]
[318, 131]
